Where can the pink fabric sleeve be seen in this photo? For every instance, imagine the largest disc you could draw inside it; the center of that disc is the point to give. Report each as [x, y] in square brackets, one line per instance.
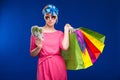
[32, 43]
[61, 39]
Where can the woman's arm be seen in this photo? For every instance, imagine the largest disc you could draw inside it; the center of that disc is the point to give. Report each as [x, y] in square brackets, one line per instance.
[36, 50]
[65, 42]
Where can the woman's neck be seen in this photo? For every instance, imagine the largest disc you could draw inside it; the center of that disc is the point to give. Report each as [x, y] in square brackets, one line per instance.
[47, 28]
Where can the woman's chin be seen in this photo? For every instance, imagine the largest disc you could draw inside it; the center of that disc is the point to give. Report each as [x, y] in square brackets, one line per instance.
[50, 24]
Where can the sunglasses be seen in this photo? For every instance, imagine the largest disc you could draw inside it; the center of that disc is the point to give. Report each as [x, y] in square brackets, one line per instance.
[52, 17]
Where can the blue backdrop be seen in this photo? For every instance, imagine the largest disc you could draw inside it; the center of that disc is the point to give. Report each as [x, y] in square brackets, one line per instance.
[17, 17]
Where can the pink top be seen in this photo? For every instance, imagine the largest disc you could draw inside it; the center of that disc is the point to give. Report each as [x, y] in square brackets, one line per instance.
[50, 55]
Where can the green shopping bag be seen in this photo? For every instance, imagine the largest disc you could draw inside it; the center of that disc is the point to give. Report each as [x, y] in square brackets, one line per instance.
[72, 56]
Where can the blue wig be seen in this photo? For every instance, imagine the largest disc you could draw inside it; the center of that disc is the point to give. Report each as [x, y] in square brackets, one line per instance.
[50, 9]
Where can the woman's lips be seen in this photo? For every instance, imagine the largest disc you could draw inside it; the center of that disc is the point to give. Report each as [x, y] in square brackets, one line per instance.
[50, 22]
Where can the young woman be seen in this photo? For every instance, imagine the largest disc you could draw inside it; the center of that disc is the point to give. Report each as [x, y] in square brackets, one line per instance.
[51, 65]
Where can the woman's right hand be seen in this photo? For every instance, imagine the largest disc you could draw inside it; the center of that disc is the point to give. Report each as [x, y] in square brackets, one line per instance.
[38, 42]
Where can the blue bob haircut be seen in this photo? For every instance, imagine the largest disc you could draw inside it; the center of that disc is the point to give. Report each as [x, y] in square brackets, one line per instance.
[50, 9]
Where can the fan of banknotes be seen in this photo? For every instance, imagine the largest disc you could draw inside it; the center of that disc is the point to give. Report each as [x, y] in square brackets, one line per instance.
[37, 32]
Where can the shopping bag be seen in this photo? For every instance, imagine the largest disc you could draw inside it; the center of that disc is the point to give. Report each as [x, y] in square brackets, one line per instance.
[85, 47]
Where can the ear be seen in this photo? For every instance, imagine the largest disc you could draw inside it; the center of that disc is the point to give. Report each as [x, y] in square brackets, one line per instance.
[57, 20]
[44, 17]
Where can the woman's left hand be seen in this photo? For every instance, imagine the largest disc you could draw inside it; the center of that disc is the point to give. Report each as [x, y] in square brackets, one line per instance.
[68, 28]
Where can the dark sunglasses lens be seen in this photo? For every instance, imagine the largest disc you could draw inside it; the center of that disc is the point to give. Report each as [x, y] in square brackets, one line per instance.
[53, 17]
[47, 17]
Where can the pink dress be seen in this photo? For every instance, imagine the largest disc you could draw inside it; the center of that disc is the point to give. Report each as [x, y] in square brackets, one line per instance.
[51, 65]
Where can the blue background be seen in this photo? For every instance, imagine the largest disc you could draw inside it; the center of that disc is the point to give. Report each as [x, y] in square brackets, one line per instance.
[17, 17]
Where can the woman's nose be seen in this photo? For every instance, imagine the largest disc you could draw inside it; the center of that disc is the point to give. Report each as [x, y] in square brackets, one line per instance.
[50, 18]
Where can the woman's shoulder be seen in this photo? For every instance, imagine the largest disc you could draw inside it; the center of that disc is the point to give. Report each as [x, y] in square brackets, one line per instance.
[60, 32]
